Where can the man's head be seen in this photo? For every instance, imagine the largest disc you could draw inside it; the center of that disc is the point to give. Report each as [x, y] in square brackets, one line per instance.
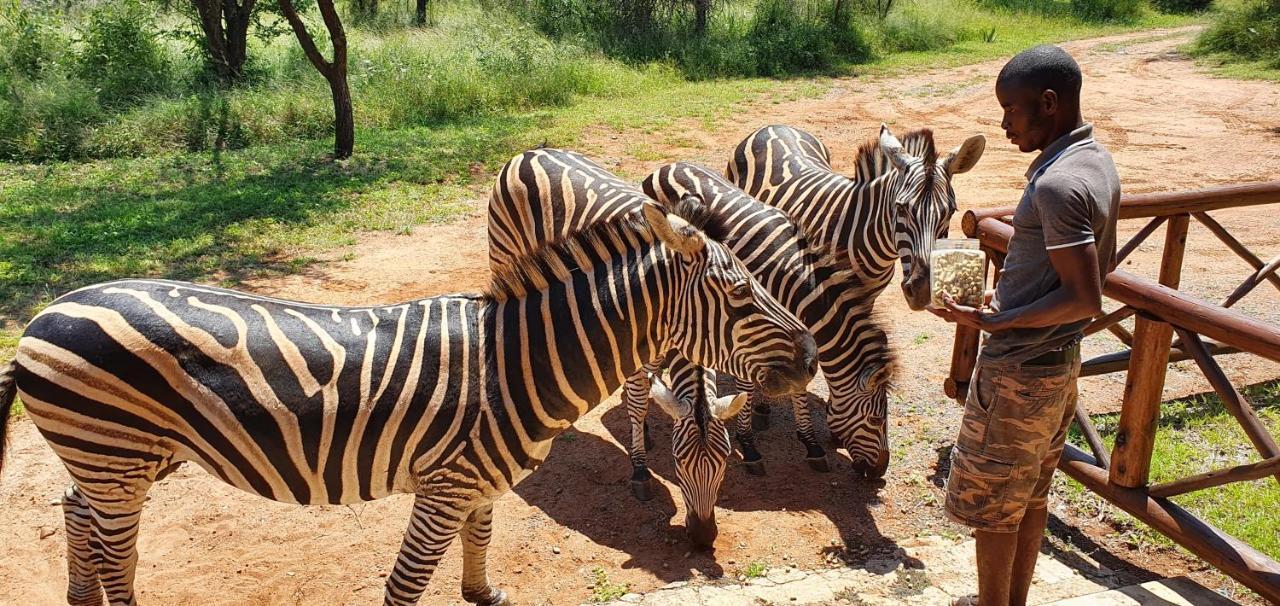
[1039, 90]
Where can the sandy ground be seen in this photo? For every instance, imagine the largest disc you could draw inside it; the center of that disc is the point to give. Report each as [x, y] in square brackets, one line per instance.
[1170, 126]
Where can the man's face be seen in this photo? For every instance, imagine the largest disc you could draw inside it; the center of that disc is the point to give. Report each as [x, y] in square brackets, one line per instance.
[1028, 115]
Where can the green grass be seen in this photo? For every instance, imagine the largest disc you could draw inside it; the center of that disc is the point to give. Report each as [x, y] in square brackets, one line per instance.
[1195, 435]
[604, 590]
[754, 570]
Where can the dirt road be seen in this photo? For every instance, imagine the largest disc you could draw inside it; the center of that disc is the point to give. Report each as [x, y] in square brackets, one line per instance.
[1169, 124]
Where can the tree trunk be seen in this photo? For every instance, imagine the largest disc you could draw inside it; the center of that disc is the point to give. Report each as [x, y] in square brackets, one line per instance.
[700, 10]
[226, 31]
[422, 13]
[335, 72]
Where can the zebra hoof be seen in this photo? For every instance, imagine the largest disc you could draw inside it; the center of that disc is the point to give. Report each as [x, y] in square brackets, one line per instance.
[490, 597]
[642, 490]
[759, 421]
[755, 468]
[818, 464]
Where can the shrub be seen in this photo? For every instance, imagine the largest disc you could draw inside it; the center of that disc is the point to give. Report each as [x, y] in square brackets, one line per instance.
[1251, 31]
[1123, 11]
[1182, 6]
[121, 55]
[32, 42]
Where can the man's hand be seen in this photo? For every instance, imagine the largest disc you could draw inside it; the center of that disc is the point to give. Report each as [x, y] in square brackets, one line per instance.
[976, 317]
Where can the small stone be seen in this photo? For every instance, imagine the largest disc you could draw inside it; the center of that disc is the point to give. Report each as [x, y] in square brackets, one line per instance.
[555, 550]
[46, 532]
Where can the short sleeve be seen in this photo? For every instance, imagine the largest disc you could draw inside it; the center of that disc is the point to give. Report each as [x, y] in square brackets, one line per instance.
[1065, 211]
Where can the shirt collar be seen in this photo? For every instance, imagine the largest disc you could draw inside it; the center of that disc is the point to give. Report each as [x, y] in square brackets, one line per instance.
[1057, 147]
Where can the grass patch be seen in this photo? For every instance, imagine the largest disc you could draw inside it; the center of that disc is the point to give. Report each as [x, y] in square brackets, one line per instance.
[754, 570]
[1194, 435]
[1243, 40]
[604, 590]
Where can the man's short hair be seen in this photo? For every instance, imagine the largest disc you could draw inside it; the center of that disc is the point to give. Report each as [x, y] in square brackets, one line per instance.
[1044, 67]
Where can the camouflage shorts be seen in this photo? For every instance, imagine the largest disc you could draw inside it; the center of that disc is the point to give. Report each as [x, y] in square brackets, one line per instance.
[1015, 425]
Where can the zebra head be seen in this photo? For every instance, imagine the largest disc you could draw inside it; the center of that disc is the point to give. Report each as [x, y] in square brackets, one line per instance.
[923, 201]
[699, 442]
[859, 421]
[721, 317]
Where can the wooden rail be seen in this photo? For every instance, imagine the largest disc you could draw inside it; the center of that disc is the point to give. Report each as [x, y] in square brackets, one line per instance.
[1161, 309]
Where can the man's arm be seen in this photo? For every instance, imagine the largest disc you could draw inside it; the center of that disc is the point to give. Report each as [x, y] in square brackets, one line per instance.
[1077, 297]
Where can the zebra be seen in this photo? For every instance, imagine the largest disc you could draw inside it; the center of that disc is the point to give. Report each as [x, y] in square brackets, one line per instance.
[543, 194]
[898, 201]
[453, 399]
[833, 301]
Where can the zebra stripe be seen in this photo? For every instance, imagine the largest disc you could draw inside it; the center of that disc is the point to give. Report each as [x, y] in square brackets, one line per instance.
[897, 203]
[545, 194]
[834, 302]
[454, 399]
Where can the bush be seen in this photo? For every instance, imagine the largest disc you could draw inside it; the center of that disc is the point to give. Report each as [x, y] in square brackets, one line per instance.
[121, 56]
[1251, 31]
[1182, 6]
[783, 40]
[1122, 11]
[46, 119]
[33, 42]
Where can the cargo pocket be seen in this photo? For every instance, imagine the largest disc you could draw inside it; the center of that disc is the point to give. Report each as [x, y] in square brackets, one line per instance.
[977, 489]
[1040, 391]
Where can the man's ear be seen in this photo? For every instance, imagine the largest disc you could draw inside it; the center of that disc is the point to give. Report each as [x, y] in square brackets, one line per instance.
[1049, 101]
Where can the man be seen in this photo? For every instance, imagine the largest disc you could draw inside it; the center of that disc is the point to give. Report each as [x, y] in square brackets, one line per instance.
[1023, 395]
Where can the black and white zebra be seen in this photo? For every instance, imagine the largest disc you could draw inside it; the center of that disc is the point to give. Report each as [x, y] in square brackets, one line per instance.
[453, 399]
[897, 203]
[545, 194]
[834, 302]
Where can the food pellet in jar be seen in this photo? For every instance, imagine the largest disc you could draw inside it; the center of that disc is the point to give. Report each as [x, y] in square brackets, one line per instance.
[958, 273]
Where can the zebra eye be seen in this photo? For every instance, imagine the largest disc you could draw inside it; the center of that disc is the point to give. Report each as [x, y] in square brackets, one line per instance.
[740, 291]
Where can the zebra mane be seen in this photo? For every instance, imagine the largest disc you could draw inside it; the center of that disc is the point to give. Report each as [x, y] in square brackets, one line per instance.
[871, 162]
[556, 260]
[816, 257]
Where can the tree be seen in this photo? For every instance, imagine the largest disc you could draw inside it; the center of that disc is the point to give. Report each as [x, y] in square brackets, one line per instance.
[421, 19]
[364, 10]
[335, 72]
[700, 10]
[225, 24]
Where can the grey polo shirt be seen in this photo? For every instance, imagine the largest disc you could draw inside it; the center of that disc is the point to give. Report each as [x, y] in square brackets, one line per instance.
[1072, 198]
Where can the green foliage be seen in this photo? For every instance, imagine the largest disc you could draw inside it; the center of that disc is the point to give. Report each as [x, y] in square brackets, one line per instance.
[35, 44]
[120, 54]
[1108, 11]
[1182, 6]
[1250, 30]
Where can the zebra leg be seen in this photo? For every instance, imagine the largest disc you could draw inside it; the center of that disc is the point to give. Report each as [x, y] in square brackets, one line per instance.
[759, 407]
[815, 455]
[475, 543]
[636, 400]
[751, 457]
[83, 587]
[114, 543]
[431, 528]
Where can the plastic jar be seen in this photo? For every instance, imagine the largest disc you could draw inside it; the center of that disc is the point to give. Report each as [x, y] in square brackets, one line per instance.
[957, 267]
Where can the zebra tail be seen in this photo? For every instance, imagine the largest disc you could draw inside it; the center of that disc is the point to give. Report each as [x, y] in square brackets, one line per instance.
[8, 389]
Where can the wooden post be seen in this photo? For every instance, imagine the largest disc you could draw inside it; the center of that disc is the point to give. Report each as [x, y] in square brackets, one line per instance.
[1144, 384]
[964, 356]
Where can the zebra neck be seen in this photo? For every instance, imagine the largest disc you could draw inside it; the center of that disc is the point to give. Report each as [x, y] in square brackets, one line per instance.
[866, 231]
[558, 352]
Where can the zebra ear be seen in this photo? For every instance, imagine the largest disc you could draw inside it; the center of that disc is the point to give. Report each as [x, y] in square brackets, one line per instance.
[674, 231]
[666, 400]
[892, 147]
[728, 407]
[964, 157]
